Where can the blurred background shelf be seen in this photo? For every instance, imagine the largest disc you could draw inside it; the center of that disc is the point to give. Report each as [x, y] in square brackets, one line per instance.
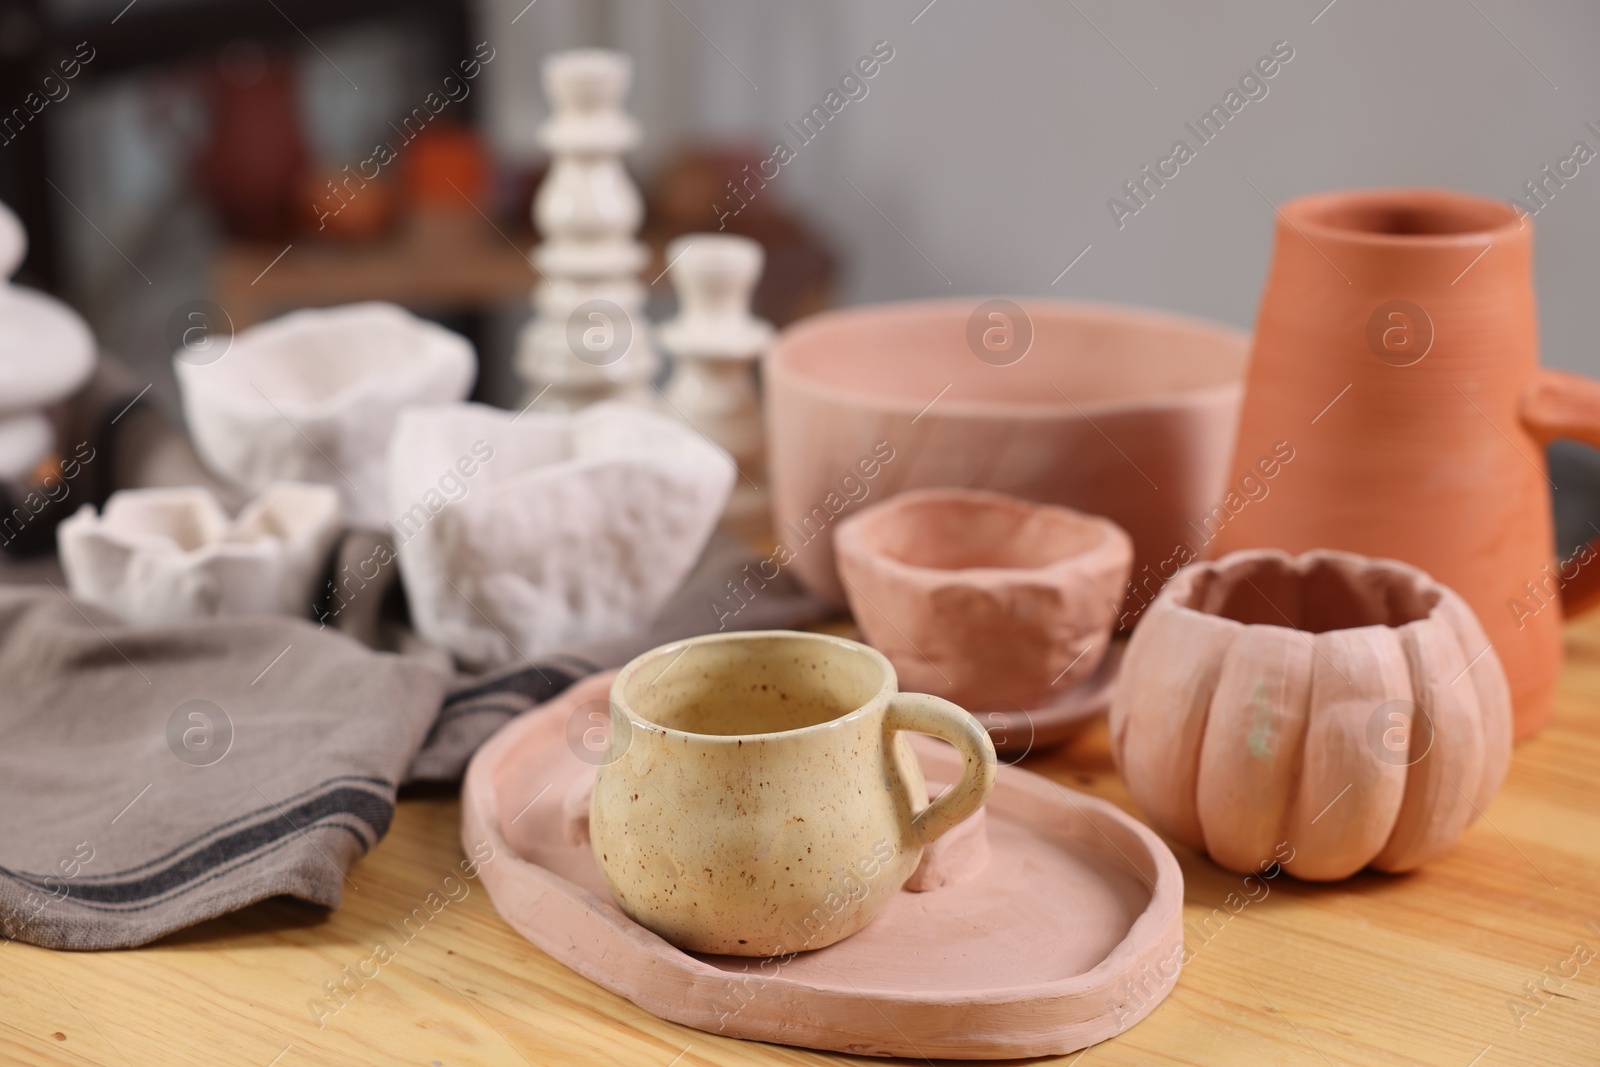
[979, 160]
[444, 267]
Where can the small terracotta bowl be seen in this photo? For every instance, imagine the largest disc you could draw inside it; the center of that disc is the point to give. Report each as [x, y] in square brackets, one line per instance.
[982, 598]
[1326, 711]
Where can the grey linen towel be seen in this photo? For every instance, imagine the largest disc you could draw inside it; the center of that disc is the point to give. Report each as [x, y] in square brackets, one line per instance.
[153, 778]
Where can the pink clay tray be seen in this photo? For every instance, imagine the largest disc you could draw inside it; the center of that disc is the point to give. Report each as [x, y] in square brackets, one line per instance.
[1061, 929]
[1016, 733]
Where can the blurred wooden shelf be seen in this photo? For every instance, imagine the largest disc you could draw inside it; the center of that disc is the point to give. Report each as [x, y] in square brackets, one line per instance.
[448, 262]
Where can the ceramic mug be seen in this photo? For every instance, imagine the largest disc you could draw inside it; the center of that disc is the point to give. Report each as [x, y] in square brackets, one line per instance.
[759, 795]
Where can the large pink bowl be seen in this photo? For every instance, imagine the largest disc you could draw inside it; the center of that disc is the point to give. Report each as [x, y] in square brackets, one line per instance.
[1116, 411]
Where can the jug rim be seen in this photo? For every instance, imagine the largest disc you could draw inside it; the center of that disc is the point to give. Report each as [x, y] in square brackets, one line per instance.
[1405, 217]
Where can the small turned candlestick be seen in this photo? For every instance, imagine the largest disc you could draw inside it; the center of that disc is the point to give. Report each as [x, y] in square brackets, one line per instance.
[588, 340]
[714, 343]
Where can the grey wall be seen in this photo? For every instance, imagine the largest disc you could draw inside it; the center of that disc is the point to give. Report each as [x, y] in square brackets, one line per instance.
[995, 136]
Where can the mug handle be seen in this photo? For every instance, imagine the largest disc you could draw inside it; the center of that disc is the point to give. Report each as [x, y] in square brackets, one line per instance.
[1561, 405]
[937, 717]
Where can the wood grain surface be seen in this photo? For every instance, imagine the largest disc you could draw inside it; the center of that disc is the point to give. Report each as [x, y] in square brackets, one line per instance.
[1486, 957]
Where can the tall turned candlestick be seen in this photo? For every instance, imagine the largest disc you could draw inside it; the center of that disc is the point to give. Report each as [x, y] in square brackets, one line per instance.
[714, 343]
[588, 340]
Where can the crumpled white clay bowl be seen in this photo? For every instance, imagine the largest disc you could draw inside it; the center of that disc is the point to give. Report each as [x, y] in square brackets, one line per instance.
[166, 555]
[313, 396]
[520, 534]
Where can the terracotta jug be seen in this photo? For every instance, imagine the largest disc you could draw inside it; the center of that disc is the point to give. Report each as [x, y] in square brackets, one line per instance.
[1396, 352]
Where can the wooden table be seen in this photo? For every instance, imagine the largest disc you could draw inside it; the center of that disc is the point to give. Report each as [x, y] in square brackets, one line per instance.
[1429, 968]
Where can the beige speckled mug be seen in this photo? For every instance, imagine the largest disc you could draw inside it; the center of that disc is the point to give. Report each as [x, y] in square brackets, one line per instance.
[759, 796]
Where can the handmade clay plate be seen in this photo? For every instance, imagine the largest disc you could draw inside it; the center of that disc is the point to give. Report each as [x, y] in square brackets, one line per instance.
[1070, 934]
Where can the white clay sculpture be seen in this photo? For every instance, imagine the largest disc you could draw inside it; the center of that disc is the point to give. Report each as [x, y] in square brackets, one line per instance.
[167, 555]
[46, 354]
[521, 533]
[313, 396]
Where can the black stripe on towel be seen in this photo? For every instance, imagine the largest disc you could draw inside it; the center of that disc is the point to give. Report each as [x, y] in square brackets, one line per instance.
[368, 810]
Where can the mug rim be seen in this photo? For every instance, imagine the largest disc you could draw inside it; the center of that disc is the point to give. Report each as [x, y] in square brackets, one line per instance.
[887, 688]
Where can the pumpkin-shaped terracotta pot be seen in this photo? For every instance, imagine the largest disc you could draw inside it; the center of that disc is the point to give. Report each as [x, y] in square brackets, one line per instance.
[1348, 708]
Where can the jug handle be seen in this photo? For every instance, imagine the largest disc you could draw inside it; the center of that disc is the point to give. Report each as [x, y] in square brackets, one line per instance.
[1561, 405]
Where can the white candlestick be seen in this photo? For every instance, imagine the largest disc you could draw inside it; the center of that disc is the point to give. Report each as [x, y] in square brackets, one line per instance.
[714, 343]
[588, 340]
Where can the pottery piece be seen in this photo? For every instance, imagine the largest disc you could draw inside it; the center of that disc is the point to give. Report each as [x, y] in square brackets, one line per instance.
[46, 354]
[759, 796]
[13, 242]
[588, 340]
[519, 534]
[1114, 411]
[313, 396]
[1396, 352]
[46, 350]
[714, 343]
[977, 596]
[25, 443]
[1017, 731]
[254, 153]
[989, 965]
[167, 555]
[1348, 709]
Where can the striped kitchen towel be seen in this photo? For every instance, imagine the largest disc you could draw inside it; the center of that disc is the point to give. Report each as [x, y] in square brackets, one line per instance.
[155, 777]
[152, 778]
